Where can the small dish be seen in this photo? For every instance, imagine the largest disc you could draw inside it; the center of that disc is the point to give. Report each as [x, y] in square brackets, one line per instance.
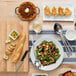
[71, 34]
[14, 34]
[59, 17]
[39, 74]
[27, 11]
[37, 27]
[71, 72]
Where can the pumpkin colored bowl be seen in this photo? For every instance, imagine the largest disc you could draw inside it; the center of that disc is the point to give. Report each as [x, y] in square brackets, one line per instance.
[27, 11]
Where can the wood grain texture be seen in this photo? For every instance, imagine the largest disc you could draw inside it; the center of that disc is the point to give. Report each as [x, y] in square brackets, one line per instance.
[4, 14]
[61, 69]
[8, 22]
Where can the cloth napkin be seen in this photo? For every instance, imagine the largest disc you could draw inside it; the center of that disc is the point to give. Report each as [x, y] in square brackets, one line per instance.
[67, 60]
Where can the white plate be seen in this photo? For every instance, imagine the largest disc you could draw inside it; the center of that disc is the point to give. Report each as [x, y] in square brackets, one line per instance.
[71, 34]
[51, 66]
[59, 18]
[39, 74]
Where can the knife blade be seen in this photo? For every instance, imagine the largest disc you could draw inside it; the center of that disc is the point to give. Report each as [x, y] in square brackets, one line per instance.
[20, 63]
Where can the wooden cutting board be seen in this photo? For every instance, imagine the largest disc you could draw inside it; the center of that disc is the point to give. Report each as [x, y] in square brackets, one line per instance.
[9, 21]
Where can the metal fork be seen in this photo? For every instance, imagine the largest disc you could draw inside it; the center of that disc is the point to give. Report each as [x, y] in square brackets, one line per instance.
[67, 45]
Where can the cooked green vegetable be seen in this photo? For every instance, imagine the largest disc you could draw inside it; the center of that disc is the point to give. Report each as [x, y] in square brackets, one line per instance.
[47, 52]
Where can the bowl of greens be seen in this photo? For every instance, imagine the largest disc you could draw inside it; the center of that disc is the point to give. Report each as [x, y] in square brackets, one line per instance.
[48, 51]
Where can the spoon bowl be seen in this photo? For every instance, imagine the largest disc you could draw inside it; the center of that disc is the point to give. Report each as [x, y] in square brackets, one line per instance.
[58, 28]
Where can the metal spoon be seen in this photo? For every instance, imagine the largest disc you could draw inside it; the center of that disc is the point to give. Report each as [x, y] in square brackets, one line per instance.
[59, 30]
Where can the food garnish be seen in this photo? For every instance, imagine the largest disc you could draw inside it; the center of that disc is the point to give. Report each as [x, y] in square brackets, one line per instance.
[47, 52]
[27, 10]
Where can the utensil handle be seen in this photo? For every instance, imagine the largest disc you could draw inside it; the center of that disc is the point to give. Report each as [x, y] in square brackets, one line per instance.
[68, 44]
[65, 45]
[38, 10]
[16, 11]
[24, 55]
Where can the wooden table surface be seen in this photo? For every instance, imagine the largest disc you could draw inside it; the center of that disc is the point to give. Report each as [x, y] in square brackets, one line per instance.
[49, 25]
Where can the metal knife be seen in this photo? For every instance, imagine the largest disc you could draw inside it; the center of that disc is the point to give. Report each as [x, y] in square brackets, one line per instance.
[20, 63]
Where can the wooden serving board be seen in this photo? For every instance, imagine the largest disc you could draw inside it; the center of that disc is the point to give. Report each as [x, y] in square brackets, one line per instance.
[9, 21]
